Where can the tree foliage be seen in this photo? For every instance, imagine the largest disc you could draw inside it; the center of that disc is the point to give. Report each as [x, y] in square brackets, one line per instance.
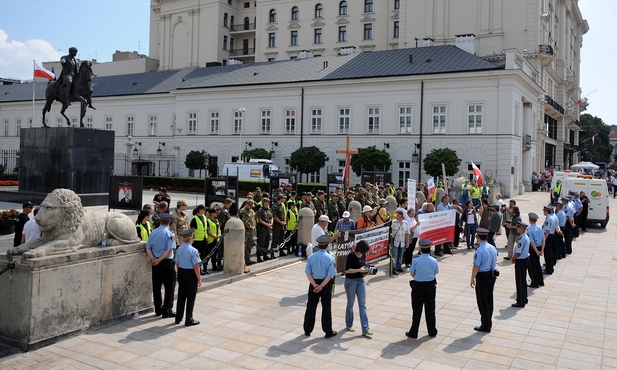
[196, 160]
[307, 159]
[599, 149]
[370, 159]
[257, 153]
[433, 160]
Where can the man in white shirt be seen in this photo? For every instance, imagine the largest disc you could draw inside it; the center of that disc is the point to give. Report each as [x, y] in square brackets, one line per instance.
[31, 229]
[319, 229]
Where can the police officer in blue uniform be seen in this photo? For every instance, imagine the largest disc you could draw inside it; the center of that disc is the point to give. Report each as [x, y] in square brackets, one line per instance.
[536, 249]
[320, 272]
[560, 214]
[550, 228]
[568, 229]
[189, 278]
[483, 275]
[519, 259]
[160, 249]
[423, 269]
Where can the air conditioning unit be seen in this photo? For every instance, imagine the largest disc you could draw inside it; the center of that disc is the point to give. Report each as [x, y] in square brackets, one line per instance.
[427, 41]
[304, 54]
[233, 62]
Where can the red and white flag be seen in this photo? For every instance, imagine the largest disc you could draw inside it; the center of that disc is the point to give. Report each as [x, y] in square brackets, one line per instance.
[477, 173]
[39, 71]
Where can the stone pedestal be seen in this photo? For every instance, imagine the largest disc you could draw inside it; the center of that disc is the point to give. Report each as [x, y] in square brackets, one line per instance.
[44, 299]
[234, 247]
[80, 159]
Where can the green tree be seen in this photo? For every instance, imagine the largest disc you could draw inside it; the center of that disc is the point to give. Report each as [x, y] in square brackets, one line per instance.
[307, 159]
[597, 149]
[433, 160]
[196, 160]
[257, 153]
[370, 159]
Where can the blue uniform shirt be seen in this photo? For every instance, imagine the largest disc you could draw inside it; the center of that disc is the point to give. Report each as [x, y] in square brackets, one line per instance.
[443, 207]
[424, 268]
[549, 225]
[160, 240]
[187, 256]
[569, 209]
[485, 257]
[576, 202]
[536, 235]
[522, 247]
[320, 264]
[561, 217]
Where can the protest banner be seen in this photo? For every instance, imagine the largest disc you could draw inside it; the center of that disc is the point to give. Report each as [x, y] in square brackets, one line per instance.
[377, 238]
[430, 184]
[438, 227]
[411, 194]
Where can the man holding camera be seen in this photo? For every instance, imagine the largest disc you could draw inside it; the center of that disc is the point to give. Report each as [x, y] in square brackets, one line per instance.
[483, 275]
[423, 290]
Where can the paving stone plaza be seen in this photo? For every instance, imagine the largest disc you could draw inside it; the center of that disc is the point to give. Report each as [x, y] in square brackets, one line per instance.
[255, 322]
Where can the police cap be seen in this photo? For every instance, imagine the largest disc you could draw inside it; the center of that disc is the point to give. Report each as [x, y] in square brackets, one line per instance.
[165, 216]
[548, 209]
[187, 233]
[425, 244]
[323, 240]
[533, 216]
[482, 231]
[521, 224]
[566, 198]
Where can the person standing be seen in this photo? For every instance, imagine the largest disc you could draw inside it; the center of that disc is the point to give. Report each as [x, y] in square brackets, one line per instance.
[494, 223]
[223, 216]
[355, 270]
[198, 224]
[213, 234]
[471, 222]
[279, 225]
[550, 245]
[365, 221]
[570, 225]
[291, 234]
[188, 278]
[160, 249]
[585, 212]
[320, 272]
[483, 275]
[519, 259]
[143, 226]
[162, 196]
[444, 205]
[423, 270]
[513, 237]
[400, 240]
[21, 221]
[247, 216]
[536, 249]
[31, 228]
[560, 246]
[179, 220]
[264, 224]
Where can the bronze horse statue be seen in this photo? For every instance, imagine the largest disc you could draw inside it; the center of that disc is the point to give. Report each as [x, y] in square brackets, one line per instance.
[81, 92]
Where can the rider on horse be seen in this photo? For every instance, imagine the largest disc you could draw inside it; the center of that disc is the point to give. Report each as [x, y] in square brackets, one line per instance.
[70, 69]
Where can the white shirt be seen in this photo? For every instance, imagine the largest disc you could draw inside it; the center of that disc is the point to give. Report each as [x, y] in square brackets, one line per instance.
[500, 203]
[31, 230]
[399, 230]
[316, 232]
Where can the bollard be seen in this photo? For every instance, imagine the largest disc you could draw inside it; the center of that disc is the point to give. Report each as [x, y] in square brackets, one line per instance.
[234, 247]
[305, 225]
[392, 204]
[355, 209]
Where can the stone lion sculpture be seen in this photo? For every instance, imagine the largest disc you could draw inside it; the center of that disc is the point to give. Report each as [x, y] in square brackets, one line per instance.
[66, 227]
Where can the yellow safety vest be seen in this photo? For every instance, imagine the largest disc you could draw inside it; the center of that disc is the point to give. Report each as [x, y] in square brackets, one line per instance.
[213, 228]
[557, 189]
[475, 193]
[143, 232]
[292, 220]
[200, 231]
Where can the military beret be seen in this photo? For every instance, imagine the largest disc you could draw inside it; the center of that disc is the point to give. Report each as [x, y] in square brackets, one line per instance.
[323, 240]
[258, 188]
[368, 184]
[521, 223]
[481, 231]
[165, 216]
[187, 233]
[533, 216]
[425, 243]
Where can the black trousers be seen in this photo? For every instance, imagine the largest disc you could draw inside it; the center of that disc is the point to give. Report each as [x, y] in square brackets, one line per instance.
[423, 296]
[577, 224]
[491, 238]
[207, 250]
[560, 246]
[485, 283]
[326, 308]
[293, 241]
[163, 275]
[408, 253]
[567, 236]
[187, 291]
[583, 220]
[535, 268]
[550, 257]
[520, 274]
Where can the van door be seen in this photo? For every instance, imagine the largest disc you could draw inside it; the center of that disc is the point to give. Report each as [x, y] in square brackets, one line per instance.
[598, 207]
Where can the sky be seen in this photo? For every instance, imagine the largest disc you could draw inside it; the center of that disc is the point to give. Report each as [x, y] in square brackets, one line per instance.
[33, 30]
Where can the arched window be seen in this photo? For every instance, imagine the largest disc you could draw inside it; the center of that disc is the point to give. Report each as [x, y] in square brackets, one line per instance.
[342, 8]
[225, 20]
[272, 15]
[368, 6]
[247, 23]
[295, 13]
[318, 11]
[231, 22]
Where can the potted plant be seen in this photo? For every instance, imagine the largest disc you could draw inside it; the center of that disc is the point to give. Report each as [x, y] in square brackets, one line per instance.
[7, 221]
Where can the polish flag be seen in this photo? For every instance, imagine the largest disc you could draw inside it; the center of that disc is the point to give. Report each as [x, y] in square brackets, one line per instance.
[477, 173]
[39, 71]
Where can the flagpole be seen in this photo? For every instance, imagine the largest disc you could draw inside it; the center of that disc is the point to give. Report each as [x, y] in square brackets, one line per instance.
[33, 90]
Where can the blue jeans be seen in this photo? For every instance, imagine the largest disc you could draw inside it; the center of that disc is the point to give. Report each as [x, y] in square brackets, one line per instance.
[397, 256]
[470, 237]
[353, 288]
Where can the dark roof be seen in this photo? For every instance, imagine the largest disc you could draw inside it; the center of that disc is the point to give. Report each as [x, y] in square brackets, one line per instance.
[400, 62]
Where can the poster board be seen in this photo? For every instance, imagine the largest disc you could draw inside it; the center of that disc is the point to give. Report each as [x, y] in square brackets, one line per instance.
[219, 188]
[126, 192]
[378, 238]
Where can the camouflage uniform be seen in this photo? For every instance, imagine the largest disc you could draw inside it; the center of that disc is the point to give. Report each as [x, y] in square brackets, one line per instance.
[247, 216]
[179, 223]
[263, 232]
[278, 230]
[333, 213]
[223, 217]
[321, 208]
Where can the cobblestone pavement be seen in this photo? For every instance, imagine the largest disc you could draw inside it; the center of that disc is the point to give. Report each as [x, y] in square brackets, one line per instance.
[256, 322]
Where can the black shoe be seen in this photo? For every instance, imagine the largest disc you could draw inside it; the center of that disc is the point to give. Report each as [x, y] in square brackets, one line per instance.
[217, 268]
[157, 313]
[438, 254]
[168, 314]
[191, 323]
[433, 334]
[307, 334]
[546, 272]
[249, 262]
[331, 334]
[266, 258]
[518, 305]
[507, 258]
[400, 270]
[177, 321]
[282, 254]
[479, 328]
[272, 256]
[260, 260]
[408, 334]
[533, 286]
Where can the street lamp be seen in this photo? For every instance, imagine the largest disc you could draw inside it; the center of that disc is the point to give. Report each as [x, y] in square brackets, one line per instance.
[241, 111]
[136, 151]
[159, 151]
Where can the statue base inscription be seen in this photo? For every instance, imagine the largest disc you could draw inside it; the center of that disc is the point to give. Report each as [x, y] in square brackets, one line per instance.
[47, 298]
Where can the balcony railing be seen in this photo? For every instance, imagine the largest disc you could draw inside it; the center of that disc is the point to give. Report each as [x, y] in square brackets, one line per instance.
[548, 100]
[242, 27]
[546, 49]
[240, 52]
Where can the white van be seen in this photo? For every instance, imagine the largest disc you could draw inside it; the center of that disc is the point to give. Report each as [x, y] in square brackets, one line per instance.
[255, 169]
[597, 192]
[560, 176]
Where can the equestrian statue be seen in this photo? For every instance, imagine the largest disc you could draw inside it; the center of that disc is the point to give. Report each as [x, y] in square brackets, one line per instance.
[74, 85]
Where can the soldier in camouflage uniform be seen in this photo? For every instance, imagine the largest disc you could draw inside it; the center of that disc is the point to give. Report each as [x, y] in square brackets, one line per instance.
[179, 220]
[247, 216]
[333, 212]
[264, 224]
[321, 206]
[223, 217]
[308, 203]
[360, 197]
[280, 221]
